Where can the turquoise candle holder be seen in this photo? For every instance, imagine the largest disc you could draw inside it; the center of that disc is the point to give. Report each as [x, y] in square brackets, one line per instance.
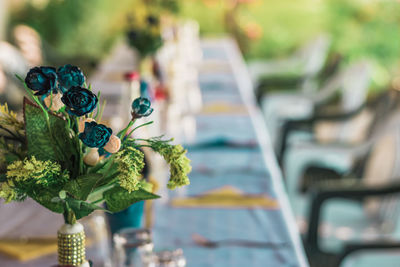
[132, 217]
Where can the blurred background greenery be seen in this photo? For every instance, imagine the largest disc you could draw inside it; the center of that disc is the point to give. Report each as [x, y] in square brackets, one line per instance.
[264, 28]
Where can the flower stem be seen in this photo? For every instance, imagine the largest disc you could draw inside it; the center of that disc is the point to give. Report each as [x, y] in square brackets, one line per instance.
[101, 111]
[98, 201]
[134, 129]
[34, 98]
[68, 119]
[122, 133]
[97, 106]
[69, 216]
[80, 150]
[10, 132]
[51, 100]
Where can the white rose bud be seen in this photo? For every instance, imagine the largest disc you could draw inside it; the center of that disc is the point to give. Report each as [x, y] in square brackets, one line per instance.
[54, 102]
[92, 157]
[81, 126]
[113, 145]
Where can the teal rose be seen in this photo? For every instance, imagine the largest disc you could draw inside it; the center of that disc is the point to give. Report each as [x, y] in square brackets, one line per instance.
[79, 101]
[69, 76]
[95, 135]
[42, 80]
[141, 107]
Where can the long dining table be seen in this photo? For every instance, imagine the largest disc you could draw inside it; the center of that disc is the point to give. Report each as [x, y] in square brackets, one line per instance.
[231, 155]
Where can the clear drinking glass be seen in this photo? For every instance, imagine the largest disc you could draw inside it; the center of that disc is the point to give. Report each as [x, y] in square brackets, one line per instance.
[166, 258]
[131, 246]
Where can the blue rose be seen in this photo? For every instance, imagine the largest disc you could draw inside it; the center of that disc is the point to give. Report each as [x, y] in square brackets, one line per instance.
[141, 108]
[95, 135]
[69, 76]
[42, 80]
[79, 101]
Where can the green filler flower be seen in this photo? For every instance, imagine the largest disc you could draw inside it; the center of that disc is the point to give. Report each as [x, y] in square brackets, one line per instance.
[130, 162]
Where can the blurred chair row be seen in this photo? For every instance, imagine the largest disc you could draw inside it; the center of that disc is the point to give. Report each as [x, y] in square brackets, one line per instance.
[339, 155]
[300, 69]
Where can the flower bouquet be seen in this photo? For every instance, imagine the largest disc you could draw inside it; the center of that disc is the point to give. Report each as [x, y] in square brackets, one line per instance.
[144, 34]
[61, 156]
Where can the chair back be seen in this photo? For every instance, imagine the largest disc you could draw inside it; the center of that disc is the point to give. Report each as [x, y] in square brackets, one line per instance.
[382, 168]
[351, 84]
[355, 85]
[349, 131]
[362, 126]
[313, 56]
[383, 107]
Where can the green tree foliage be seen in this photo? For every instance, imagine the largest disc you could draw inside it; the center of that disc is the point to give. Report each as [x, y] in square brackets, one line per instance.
[76, 27]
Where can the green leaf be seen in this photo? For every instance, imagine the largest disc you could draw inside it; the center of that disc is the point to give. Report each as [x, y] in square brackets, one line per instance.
[83, 185]
[10, 157]
[118, 199]
[56, 145]
[81, 208]
[45, 199]
[62, 194]
[37, 132]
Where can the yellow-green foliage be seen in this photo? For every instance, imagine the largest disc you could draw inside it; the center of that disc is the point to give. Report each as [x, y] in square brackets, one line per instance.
[146, 186]
[8, 119]
[35, 171]
[75, 27]
[130, 163]
[358, 28]
[7, 192]
[179, 164]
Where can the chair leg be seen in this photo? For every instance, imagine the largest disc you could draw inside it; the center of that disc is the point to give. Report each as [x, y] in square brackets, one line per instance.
[318, 258]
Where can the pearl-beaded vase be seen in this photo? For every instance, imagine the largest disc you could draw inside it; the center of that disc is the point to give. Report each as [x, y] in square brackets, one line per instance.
[71, 245]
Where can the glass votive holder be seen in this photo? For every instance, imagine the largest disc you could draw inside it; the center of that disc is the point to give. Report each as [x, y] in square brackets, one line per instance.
[166, 258]
[131, 246]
